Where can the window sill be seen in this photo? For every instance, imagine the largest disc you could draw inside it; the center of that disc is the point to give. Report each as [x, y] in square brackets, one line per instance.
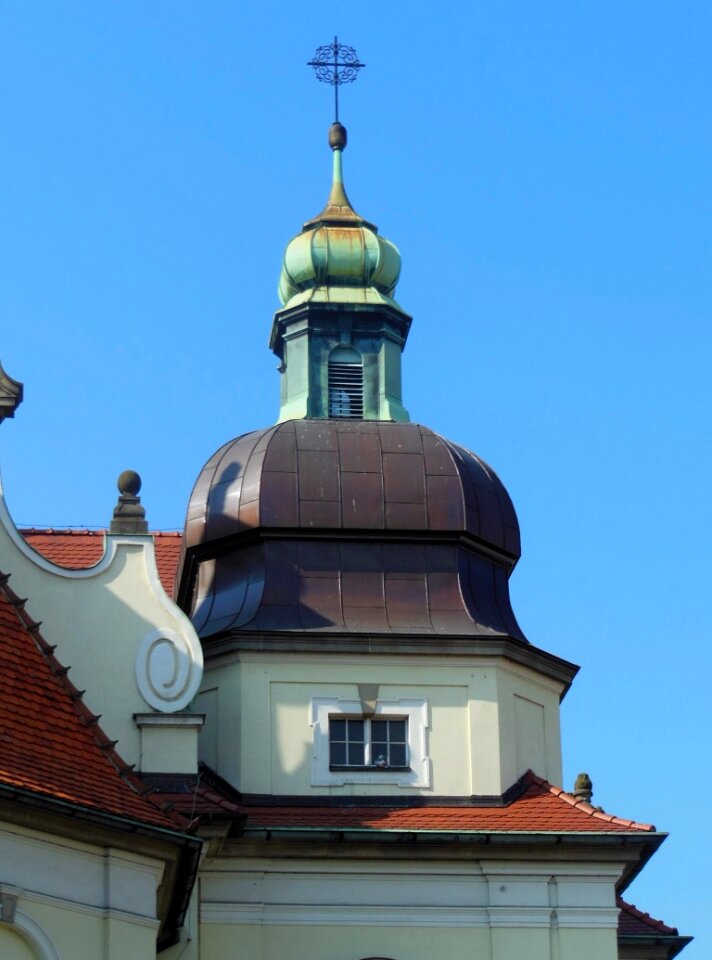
[368, 769]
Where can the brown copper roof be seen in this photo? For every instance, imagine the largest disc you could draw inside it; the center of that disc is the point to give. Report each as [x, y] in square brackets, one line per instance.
[349, 526]
[350, 475]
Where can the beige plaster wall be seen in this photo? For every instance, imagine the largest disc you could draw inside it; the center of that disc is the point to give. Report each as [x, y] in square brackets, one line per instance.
[488, 720]
[14, 946]
[220, 942]
[75, 900]
[259, 908]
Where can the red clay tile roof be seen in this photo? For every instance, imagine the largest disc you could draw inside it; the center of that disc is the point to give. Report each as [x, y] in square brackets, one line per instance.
[50, 743]
[537, 807]
[78, 549]
[540, 808]
[205, 795]
[634, 923]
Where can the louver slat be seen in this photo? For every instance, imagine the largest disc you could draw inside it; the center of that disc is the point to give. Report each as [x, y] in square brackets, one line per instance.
[346, 390]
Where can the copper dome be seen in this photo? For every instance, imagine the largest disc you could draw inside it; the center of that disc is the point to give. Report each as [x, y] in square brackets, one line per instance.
[356, 526]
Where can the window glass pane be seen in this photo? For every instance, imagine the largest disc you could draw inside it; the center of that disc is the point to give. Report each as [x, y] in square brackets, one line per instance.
[379, 730]
[397, 731]
[355, 730]
[398, 755]
[337, 729]
[379, 754]
[337, 754]
[356, 754]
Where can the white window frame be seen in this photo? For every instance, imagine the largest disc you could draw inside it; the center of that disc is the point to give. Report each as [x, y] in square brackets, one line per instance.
[415, 712]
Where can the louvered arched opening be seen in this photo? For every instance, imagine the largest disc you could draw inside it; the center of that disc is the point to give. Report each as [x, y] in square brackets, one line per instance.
[346, 384]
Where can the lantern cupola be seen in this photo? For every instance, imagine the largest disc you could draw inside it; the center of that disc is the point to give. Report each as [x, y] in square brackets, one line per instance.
[340, 332]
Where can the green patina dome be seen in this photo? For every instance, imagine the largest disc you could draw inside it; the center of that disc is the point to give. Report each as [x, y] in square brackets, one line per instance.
[339, 256]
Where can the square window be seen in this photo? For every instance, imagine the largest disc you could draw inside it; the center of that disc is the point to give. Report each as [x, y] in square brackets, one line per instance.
[367, 742]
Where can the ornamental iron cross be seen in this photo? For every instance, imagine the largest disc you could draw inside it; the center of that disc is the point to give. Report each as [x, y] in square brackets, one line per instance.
[335, 63]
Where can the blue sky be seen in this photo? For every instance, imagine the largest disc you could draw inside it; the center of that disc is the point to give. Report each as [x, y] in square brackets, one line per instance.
[545, 171]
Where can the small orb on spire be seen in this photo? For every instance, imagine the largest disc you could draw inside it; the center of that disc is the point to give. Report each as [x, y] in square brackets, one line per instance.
[337, 136]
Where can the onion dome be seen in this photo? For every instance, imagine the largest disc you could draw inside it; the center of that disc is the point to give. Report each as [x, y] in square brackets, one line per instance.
[349, 527]
[339, 256]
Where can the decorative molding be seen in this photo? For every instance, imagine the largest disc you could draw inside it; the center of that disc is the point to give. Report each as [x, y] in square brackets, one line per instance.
[168, 673]
[415, 711]
[91, 910]
[411, 916]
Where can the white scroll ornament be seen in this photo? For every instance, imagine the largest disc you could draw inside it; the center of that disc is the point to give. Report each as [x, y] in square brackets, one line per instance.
[167, 672]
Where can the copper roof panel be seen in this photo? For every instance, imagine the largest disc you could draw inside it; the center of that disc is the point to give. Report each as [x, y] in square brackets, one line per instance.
[405, 516]
[278, 499]
[361, 557]
[366, 619]
[400, 438]
[319, 513]
[318, 558]
[360, 452]
[438, 461]
[404, 477]
[404, 560]
[445, 505]
[406, 604]
[362, 589]
[314, 434]
[281, 452]
[362, 500]
[319, 475]
[444, 591]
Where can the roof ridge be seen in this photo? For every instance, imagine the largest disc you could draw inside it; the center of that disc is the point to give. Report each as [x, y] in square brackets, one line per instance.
[84, 715]
[583, 805]
[86, 532]
[63, 531]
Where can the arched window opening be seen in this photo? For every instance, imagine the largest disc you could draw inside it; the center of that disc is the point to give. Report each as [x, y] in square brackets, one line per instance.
[346, 384]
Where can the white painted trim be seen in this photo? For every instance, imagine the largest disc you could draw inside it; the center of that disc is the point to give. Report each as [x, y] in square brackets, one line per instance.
[169, 720]
[300, 915]
[420, 916]
[88, 909]
[415, 711]
[111, 543]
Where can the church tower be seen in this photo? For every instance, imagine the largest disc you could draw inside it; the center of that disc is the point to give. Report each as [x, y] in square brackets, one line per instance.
[346, 530]
[383, 731]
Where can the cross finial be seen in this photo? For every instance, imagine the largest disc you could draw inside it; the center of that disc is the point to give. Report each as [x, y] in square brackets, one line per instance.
[335, 63]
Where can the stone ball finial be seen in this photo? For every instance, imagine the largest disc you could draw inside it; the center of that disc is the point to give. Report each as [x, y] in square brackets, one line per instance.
[337, 136]
[583, 787]
[129, 516]
[129, 483]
